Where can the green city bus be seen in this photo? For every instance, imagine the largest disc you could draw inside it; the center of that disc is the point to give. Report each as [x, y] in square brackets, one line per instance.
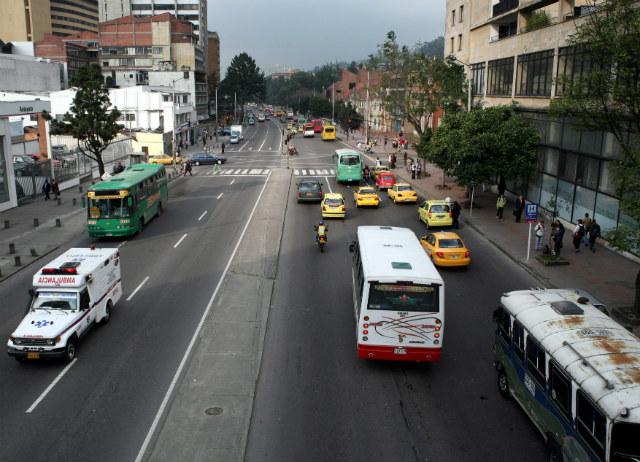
[348, 166]
[121, 205]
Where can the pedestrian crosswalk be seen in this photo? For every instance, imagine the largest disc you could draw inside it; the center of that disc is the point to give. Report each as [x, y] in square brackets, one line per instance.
[262, 172]
[314, 172]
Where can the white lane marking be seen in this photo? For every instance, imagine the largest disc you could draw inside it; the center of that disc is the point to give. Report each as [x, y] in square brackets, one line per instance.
[135, 291]
[332, 172]
[202, 216]
[265, 171]
[219, 195]
[265, 140]
[328, 184]
[50, 387]
[196, 334]
[232, 181]
[237, 171]
[175, 246]
[122, 243]
[269, 148]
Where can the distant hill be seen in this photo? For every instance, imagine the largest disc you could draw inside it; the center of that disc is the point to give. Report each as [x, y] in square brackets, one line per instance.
[433, 48]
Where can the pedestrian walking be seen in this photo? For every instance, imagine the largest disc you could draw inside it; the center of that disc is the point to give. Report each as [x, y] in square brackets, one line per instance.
[394, 159]
[222, 148]
[586, 221]
[517, 211]
[378, 163]
[405, 158]
[594, 233]
[418, 169]
[389, 160]
[557, 235]
[46, 189]
[55, 189]
[413, 170]
[578, 234]
[539, 230]
[187, 168]
[385, 142]
[500, 203]
[455, 214]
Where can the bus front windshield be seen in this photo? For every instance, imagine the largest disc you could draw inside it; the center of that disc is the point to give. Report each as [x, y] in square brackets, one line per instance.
[109, 208]
[349, 161]
[55, 301]
[403, 297]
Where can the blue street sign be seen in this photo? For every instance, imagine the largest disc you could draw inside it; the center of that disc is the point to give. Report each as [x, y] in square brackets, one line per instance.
[531, 213]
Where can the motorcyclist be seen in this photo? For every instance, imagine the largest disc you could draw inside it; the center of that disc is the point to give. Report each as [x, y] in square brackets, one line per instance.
[321, 230]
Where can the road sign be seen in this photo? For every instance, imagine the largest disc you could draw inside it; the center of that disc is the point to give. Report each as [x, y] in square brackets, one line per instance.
[531, 213]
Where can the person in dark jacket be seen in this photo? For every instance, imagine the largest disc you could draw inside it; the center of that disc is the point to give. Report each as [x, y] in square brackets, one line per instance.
[455, 214]
[519, 207]
[594, 233]
[557, 236]
[55, 189]
[46, 189]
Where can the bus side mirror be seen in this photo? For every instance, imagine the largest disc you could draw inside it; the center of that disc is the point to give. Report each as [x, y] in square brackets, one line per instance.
[130, 201]
[352, 247]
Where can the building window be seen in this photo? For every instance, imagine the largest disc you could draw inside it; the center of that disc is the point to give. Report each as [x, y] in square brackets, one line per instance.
[453, 45]
[591, 424]
[477, 79]
[459, 42]
[573, 65]
[500, 77]
[461, 13]
[453, 17]
[534, 74]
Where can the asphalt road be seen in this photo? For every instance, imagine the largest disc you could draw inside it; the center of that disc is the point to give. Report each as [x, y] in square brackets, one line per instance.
[103, 406]
[315, 401]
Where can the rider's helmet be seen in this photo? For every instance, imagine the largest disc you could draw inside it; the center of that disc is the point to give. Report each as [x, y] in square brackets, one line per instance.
[321, 223]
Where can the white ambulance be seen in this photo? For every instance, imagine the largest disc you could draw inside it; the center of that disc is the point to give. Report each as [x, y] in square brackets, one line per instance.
[71, 294]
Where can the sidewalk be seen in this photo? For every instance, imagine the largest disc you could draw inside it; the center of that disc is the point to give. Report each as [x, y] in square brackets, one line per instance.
[607, 275]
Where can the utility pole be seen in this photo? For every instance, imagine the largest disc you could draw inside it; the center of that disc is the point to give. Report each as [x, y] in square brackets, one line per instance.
[217, 123]
[333, 101]
[368, 112]
[235, 116]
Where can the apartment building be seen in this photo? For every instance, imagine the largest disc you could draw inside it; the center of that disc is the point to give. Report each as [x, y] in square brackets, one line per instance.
[193, 11]
[74, 51]
[514, 50]
[213, 59]
[25, 20]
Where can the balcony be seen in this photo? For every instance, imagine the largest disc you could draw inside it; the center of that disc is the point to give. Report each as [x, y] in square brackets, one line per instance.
[503, 6]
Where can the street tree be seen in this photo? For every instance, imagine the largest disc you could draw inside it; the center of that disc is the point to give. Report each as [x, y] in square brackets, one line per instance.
[414, 85]
[89, 119]
[606, 96]
[244, 79]
[482, 145]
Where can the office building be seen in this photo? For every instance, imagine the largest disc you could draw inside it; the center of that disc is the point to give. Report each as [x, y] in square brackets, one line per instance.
[24, 20]
[514, 51]
[69, 17]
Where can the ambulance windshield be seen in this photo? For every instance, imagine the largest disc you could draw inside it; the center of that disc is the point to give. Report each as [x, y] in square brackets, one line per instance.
[55, 301]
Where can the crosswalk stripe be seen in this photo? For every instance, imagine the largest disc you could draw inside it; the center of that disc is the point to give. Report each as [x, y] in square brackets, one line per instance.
[322, 172]
[237, 171]
[312, 172]
[255, 171]
[332, 172]
[304, 172]
[296, 171]
[244, 172]
[265, 171]
[227, 172]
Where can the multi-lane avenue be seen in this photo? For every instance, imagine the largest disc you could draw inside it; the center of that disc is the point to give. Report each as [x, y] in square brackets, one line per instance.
[314, 400]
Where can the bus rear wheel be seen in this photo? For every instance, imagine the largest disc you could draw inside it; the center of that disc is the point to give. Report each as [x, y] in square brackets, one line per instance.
[503, 383]
[159, 212]
[554, 454]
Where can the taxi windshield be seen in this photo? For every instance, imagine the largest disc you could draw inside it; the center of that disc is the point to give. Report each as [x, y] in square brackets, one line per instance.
[450, 243]
[333, 202]
[55, 301]
[405, 187]
[439, 208]
[367, 191]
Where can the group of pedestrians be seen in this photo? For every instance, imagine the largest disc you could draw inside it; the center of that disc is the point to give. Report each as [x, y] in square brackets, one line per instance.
[50, 187]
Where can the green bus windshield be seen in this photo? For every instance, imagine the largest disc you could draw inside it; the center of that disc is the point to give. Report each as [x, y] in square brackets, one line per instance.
[109, 208]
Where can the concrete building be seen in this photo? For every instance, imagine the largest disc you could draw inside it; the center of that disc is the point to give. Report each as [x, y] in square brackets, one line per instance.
[184, 82]
[213, 60]
[74, 51]
[68, 17]
[194, 11]
[515, 50]
[29, 74]
[24, 20]
[13, 108]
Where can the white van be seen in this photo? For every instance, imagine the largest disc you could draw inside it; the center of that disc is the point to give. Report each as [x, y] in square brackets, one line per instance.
[70, 294]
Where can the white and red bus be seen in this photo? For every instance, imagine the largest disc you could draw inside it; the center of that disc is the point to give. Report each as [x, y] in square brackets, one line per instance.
[398, 296]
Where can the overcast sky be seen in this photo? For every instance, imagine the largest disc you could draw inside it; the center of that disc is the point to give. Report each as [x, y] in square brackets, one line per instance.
[303, 34]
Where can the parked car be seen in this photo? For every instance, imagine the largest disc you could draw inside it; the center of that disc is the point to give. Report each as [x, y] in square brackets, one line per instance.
[204, 158]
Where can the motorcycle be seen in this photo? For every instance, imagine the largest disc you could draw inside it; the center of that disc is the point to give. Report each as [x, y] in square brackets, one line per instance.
[322, 241]
[292, 150]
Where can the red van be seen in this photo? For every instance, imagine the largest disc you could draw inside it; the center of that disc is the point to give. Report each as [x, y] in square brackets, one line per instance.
[385, 180]
[317, 125]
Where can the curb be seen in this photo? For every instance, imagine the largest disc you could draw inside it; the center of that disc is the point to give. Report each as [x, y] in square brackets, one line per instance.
[26, 265]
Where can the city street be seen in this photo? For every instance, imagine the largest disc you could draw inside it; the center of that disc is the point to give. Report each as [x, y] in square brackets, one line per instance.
[314, 400]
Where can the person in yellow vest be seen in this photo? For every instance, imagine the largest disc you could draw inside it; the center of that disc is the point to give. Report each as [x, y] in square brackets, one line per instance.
[500, 203]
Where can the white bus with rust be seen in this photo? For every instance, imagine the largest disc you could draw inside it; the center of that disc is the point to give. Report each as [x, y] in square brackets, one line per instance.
[71, 294]
[398, 296]
[574, 371]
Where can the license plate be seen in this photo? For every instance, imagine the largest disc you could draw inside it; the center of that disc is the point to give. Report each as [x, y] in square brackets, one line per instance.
[33, 355]
[109, 234]
[399, 351]
[309, 194]
[453, 257]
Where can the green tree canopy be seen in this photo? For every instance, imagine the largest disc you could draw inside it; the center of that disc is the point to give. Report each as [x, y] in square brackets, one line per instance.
[481, 145]
[244, 79]
[415, 85]
[89, 118]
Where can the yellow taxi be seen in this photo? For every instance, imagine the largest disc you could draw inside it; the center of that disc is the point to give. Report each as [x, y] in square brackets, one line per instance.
[328, 133]
[402, 192]
[333, 206]
[290, 126]
[366, 196]
[300, 128]
[446, 249]
[435, 213]
[163, 159]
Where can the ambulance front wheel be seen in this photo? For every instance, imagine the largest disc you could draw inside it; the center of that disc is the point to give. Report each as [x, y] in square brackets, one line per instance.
[70, 351]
